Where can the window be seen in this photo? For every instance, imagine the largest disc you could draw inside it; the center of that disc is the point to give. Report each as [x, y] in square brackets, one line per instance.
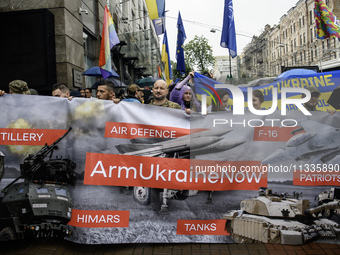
[291, 45]
[303, 20]
[300, 23]
[328, 43]
[311, 17]
[41, 190]
[311, 55]
[294, 27]
[294, 43]
[311, 34]
[314, 32]
[300, 39]
[316, 52]
[60, 192]
[304, 38]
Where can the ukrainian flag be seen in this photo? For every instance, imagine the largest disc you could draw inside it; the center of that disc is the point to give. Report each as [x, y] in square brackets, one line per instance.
[156, 8]
[166, 59]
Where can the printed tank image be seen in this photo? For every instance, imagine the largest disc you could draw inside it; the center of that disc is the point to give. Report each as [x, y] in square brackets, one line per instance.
[280, 219]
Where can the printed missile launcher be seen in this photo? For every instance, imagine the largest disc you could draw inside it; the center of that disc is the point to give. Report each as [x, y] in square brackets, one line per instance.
[280, 219]
[40, 205]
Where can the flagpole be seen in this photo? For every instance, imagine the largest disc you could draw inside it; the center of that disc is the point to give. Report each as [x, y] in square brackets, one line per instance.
[229, 66]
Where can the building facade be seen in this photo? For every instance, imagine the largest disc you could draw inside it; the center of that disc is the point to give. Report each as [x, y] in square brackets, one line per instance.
[56, 41]
[225, 67]
[292, 43]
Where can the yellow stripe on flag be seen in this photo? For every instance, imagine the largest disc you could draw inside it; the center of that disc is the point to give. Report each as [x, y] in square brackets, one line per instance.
[152, 8]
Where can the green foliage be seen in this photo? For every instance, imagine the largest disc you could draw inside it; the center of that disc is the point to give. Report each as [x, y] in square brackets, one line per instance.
[176, 74]
[199, 54]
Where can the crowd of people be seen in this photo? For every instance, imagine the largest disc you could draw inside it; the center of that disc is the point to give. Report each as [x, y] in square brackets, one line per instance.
[179, 96]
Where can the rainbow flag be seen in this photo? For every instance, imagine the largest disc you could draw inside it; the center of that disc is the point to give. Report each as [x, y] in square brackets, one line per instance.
[109, 39]
[166, 59]
[327, 25]
[156, 8]
[160, 74]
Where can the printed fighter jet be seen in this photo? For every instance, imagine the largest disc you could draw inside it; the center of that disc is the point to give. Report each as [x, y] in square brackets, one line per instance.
[203, 142]
[320, 144]
[188, 146]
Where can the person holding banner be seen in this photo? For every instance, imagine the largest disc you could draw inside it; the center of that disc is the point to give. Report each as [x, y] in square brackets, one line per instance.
[258, 99]
[224, 96]
[159, 92]
[105, 90]
[17, 87]
[183, 95]
[314, 98]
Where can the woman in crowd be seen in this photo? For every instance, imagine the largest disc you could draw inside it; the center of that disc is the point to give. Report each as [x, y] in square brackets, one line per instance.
[224, 96]
[183, 95]
[258, 99]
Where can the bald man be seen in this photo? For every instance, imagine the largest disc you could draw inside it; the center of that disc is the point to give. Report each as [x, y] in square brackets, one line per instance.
[160, 91]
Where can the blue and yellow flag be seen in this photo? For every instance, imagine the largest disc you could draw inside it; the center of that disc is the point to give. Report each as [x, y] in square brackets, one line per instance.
[166, 59]
[181, 36]
[156, 8]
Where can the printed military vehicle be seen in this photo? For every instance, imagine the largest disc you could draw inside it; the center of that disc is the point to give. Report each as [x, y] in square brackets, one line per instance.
[40, 205]
[280, 219]
[333, 194]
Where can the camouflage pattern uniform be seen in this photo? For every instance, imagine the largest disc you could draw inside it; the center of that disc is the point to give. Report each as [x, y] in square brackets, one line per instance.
[168, 103]
[19, 87]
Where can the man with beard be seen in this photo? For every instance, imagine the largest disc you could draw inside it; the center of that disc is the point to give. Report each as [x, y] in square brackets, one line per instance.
[160, 91]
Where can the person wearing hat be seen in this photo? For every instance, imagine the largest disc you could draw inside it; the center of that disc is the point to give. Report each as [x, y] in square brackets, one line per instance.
[134, 94]
[17, 87]
[314, 99]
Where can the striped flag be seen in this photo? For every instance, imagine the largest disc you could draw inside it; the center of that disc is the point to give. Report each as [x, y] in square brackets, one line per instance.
[327, 25]
[160, 74]
[109, 39]
[166, 59]
[156, 9]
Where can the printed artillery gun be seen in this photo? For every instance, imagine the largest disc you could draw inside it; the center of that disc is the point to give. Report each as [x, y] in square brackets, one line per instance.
[278, 219]
[41, 205]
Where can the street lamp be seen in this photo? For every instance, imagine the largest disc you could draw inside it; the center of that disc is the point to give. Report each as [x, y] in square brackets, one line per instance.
[213, 30]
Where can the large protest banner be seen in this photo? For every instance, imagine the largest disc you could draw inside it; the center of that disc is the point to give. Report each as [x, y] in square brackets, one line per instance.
[326, 83]
[152, 174]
